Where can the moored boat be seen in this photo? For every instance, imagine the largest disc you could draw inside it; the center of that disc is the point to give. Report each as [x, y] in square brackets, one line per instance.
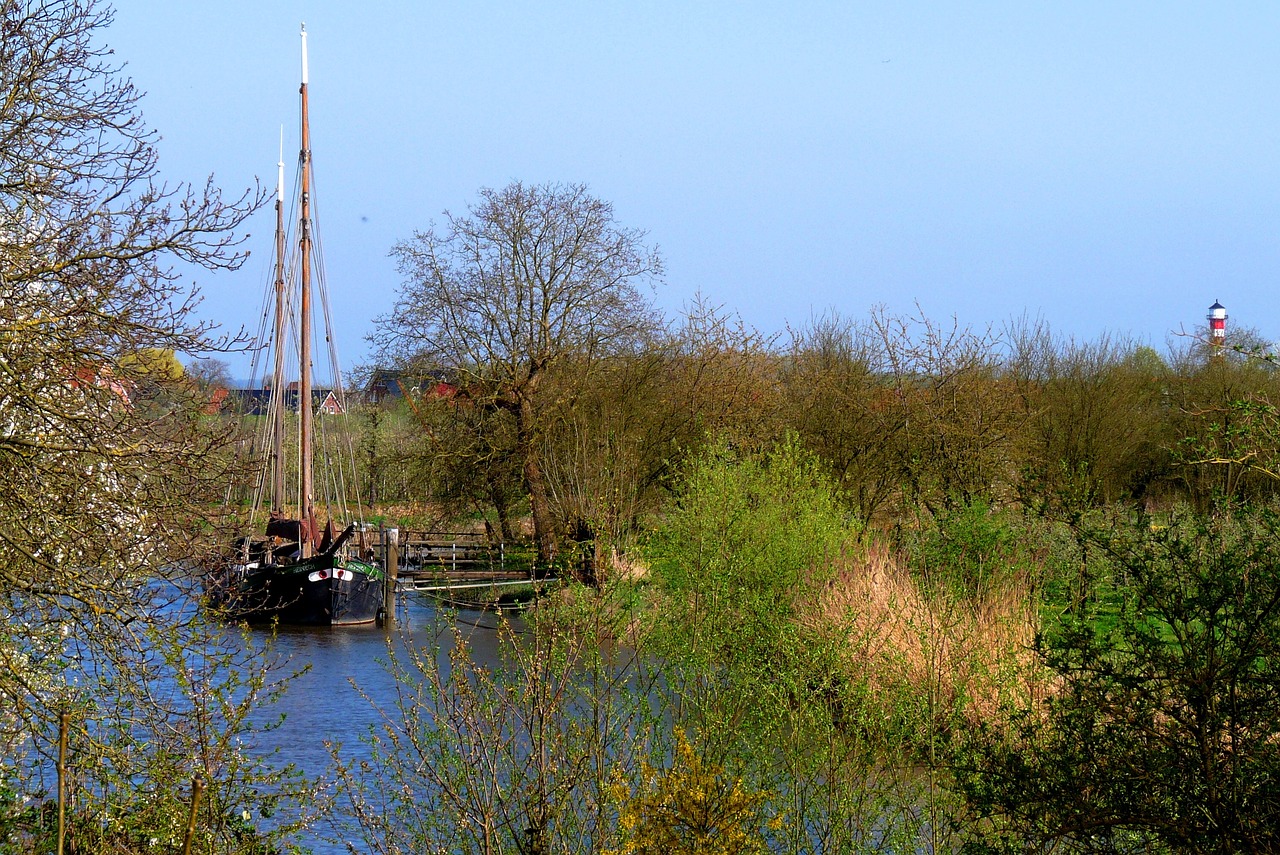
[296, 571]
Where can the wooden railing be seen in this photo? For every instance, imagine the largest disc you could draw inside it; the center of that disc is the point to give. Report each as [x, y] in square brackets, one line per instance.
[430, 557]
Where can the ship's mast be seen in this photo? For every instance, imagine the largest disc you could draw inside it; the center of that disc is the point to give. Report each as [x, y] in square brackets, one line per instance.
[277, 381]
[304, 248]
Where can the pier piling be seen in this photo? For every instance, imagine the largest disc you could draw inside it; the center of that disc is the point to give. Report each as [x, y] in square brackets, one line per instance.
[391, 549]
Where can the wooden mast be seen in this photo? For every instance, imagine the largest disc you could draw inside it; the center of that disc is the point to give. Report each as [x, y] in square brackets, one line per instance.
[277, 376]
[304, 240]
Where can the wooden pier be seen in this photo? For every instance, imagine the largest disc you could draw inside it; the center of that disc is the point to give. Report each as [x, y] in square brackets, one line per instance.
[463, 569]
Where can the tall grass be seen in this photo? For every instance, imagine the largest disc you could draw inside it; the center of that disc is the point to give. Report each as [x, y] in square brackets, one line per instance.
[963, 656]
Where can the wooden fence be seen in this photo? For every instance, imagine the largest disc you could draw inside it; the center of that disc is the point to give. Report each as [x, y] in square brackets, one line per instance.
[436, 562]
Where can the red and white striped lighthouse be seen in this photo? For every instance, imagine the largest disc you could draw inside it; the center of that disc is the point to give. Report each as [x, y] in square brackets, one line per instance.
[1217, 323]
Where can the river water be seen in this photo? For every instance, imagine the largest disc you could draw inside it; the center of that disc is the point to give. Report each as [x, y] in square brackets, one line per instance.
[326, 704]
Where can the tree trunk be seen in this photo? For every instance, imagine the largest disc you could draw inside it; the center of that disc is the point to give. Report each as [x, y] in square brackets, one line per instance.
[498, 499]
[536, 483]
[588, 558]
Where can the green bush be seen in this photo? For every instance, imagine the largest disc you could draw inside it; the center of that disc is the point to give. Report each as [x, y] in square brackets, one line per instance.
[746, 537]
[1164, 732]
[971, 548]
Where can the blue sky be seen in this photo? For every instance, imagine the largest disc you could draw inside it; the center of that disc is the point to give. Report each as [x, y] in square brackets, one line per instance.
[1103, 166]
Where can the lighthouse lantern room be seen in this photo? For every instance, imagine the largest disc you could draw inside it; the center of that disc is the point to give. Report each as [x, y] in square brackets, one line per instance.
[1217, 323]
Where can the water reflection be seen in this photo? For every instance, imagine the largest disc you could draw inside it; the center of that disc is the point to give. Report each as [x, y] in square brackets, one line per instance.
[326, 703]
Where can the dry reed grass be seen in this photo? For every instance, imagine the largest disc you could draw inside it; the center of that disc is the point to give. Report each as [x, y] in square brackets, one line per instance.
[625, 566]
[970, 656]
[425, 515]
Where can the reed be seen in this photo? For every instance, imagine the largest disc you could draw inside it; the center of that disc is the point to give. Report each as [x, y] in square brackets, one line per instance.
[961, 655]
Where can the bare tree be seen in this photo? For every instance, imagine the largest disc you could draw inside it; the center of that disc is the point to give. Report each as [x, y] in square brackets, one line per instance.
[1096, 418]
[843, 407]
[613, 445]
[956, 421]
[527, 280]
[103, 492]
[89, 240]
[210, 373]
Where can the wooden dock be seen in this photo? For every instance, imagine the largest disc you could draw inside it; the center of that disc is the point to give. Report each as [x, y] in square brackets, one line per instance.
[459, 568]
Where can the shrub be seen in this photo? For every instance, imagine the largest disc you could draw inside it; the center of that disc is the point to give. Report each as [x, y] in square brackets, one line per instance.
[1164, 731]
[692, 808]
[747, 536]
[971, 549]
[966, 656]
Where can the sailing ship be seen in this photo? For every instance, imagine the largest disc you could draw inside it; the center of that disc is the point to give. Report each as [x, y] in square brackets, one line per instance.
[297, 571]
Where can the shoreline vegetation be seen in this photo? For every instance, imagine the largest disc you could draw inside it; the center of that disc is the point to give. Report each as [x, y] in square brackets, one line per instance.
[880, 584]
[770, 672]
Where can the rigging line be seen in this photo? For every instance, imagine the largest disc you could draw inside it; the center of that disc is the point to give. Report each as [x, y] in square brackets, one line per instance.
[264, 354]
[475, 623]
[339, 447]
[332, 433]
[343, 443]
[262, 441]
[335, 484]
[260, 338]
[322, 290]
[266, 346]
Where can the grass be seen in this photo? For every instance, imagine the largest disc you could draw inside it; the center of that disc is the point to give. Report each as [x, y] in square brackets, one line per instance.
[967, 656]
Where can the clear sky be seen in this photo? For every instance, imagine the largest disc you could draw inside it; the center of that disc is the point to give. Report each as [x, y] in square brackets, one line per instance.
[1104, 166]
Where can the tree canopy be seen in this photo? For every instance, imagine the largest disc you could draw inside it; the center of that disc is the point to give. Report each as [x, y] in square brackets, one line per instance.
[90, 242]
[530, 279]
[103, 497]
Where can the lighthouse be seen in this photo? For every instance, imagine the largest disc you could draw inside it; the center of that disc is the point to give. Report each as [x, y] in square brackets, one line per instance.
[1217, 324]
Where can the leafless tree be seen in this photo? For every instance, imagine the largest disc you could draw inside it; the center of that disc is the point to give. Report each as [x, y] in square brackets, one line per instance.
[843, 406]
[104, 488]
[952, 409]
[210, 373]
[529, 279]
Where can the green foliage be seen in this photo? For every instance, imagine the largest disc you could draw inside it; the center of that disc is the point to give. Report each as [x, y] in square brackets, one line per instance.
[742, 561]
[554, 742]
[183, 700]
[1235, 444]
[1164, 731]
[111, 467]
[1222, 414]
[515, 753]
[1097, 418]
[692, 808]
[157, 364]
[747, 536]
[970, 548]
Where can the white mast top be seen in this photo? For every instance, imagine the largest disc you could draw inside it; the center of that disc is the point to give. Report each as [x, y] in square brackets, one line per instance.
[280, 170]
[304, 54]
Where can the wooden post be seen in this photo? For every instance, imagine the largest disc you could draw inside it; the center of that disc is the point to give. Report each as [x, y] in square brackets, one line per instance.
[64, 725]
[391, 552]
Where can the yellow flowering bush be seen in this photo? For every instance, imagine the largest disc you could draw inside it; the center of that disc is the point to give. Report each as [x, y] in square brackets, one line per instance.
[692, 807]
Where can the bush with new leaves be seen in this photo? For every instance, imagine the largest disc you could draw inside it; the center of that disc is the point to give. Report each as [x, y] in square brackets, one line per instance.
[692, 808]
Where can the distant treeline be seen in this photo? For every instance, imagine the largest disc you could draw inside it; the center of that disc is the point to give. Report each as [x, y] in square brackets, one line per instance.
[906, 413]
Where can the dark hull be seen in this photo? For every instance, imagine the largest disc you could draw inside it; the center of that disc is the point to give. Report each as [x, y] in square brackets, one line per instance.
[319, 591]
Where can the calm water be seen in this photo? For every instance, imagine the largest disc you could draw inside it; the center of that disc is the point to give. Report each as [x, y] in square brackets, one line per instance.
[324, 705]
